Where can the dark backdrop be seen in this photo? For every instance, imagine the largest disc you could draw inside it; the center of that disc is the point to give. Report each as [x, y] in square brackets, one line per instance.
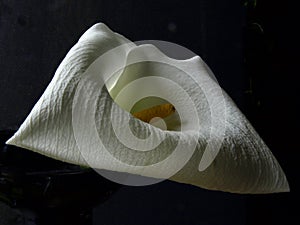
[249, 45]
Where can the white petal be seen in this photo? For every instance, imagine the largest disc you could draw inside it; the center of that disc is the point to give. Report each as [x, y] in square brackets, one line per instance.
[243, 165]
[48, 128]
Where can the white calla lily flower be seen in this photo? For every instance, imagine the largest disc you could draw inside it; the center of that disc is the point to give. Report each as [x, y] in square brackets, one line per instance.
[116, 106]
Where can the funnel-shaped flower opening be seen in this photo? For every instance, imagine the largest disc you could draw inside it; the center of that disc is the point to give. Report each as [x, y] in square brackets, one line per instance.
[116, 106]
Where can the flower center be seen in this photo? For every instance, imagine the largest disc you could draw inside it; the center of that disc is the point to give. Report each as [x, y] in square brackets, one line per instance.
[156, 115]
[160, 111]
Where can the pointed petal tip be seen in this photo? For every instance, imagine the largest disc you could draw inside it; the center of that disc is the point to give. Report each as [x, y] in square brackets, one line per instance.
[13, 140]
[10, 141]
[99, 26]
[286, 189]
[286, 186]
[283, 188]
[96, 29]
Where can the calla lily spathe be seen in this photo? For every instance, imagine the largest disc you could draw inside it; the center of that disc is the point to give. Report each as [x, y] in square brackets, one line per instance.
[244, 163]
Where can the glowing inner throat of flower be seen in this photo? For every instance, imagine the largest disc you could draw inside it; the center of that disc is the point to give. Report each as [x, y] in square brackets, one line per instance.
[155, 115]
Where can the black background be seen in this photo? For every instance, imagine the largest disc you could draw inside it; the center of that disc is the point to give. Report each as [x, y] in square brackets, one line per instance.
[251, 48]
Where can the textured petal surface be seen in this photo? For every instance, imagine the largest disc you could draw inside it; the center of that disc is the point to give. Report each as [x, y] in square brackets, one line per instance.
[244, 163]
